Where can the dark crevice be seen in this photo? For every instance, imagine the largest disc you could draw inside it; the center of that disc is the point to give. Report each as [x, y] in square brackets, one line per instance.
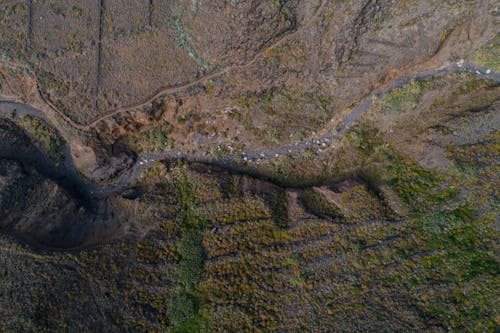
[150, 13]
[347, 47]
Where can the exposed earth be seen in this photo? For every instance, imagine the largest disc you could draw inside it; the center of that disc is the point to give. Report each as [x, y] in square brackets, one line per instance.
[249, 166]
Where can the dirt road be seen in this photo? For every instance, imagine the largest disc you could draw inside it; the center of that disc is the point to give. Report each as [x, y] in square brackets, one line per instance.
[146, 161]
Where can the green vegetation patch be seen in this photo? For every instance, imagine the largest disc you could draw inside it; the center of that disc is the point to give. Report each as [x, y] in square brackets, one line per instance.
[488, 57]
[48, 81]
[186, 313]
[452, 263]
[407, 97]
[417, 186]
[302, 111]
[153, 139]
[182, 39]
[44, 135]
[367, 139]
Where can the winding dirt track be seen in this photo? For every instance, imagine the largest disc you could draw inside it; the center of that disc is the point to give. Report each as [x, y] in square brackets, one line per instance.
[146, 161]
[168, 90]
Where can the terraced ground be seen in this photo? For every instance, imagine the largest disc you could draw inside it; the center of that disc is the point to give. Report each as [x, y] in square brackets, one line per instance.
[383, 240]
[249, 166]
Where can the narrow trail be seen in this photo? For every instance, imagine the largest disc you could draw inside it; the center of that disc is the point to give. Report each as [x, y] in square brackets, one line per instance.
[98, 78]
[29, 28]
[172, 90]
[164, 90]
[146, 161]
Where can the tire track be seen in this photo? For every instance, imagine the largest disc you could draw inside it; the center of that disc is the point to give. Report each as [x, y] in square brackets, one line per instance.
[99, 56]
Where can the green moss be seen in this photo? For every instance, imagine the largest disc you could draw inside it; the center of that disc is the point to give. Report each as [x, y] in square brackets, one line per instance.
[278, 202]
[191, 323]
[185, 306]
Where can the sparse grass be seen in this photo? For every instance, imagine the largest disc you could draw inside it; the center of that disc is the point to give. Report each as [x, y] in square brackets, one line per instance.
[406, 98]
[359, 205]
[48, 81]
[468, 86]
[182, 40]
[221, 151]
[488, 57]
[302, 112]
[403, 99]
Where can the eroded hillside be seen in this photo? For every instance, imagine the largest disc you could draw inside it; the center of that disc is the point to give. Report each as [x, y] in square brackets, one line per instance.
[249, 166]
